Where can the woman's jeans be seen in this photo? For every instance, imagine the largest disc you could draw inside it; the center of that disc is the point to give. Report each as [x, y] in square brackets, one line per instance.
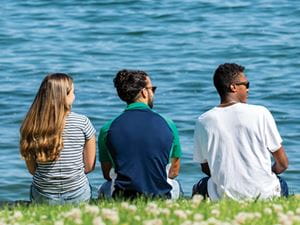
[82, 194]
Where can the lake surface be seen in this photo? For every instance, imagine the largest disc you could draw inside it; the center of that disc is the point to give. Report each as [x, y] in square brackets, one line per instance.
[179, 43]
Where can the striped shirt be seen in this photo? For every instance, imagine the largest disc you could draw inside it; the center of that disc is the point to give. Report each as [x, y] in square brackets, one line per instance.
[67, 173]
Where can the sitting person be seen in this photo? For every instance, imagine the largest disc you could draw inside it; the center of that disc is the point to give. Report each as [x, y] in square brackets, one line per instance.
[140, 149]
[233, 143]
[57, 144]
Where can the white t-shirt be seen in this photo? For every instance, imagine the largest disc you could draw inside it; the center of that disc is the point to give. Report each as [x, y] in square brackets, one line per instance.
[236, 142]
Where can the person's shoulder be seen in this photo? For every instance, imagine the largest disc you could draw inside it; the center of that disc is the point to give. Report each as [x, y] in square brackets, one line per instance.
[207, 114]
[77, 116]
[105, 127]
[255, 108]
[254, 111]
[166, 118]
[78, 120]
[107, 123]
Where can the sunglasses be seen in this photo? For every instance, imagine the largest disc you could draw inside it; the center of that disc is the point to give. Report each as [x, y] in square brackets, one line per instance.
[246, 84]
[153, 88]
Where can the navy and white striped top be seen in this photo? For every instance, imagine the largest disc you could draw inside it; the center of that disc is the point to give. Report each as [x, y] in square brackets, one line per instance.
[67, 173]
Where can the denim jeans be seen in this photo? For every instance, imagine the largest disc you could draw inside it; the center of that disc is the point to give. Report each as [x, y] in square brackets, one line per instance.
[284, 187]
[201, 187]
[82, 194]
[105, 190]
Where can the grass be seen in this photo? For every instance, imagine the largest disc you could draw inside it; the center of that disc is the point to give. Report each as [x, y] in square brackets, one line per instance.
[195, 211]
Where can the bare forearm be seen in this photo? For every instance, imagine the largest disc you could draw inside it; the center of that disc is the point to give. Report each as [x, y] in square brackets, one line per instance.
[277, 168]
[89, 155]
[174, 169]
[281, 161]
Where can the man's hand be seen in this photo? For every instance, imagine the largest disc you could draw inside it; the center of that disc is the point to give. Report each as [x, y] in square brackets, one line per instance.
[205, 169]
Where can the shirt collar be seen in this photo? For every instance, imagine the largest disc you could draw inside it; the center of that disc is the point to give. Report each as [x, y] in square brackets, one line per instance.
[137, 105]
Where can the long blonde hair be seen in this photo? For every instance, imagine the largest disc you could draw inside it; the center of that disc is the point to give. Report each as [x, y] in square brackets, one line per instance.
[41, 131]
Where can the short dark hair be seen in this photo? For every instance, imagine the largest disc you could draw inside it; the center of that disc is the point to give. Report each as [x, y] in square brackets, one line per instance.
[225, 75]
[129, 83]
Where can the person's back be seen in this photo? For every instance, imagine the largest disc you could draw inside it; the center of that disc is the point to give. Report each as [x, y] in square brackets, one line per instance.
[58, 145]
[67, 172]
[240, 165]
[137, 147]
[140, 142]
[233, 142]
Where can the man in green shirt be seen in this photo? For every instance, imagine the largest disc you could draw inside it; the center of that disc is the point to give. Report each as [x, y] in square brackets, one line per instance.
[139, 150]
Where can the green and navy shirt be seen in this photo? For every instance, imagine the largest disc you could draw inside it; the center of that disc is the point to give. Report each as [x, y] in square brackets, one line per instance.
[139, 144]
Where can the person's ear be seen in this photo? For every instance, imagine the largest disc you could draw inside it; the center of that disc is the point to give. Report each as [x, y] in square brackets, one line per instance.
[232, 88]
[143, 92]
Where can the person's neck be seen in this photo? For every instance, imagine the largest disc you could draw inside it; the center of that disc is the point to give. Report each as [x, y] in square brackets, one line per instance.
[141, 100]
[228, 102]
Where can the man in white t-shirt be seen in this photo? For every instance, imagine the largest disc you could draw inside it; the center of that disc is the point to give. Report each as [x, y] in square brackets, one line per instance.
[234, 142]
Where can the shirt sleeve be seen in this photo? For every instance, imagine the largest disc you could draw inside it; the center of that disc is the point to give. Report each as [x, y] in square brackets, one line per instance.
[176, 147]
[104, 155]
[200, 151]
[272, 136]
[88, 130]
[176, 151]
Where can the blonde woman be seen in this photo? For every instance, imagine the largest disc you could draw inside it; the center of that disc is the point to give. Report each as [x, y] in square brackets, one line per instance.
[57, 144]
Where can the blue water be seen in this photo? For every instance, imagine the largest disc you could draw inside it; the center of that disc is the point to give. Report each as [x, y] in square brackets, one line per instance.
[179, 43]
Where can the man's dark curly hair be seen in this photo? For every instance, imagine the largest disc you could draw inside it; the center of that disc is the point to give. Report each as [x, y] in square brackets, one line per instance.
[225, 75]
[129, 83]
